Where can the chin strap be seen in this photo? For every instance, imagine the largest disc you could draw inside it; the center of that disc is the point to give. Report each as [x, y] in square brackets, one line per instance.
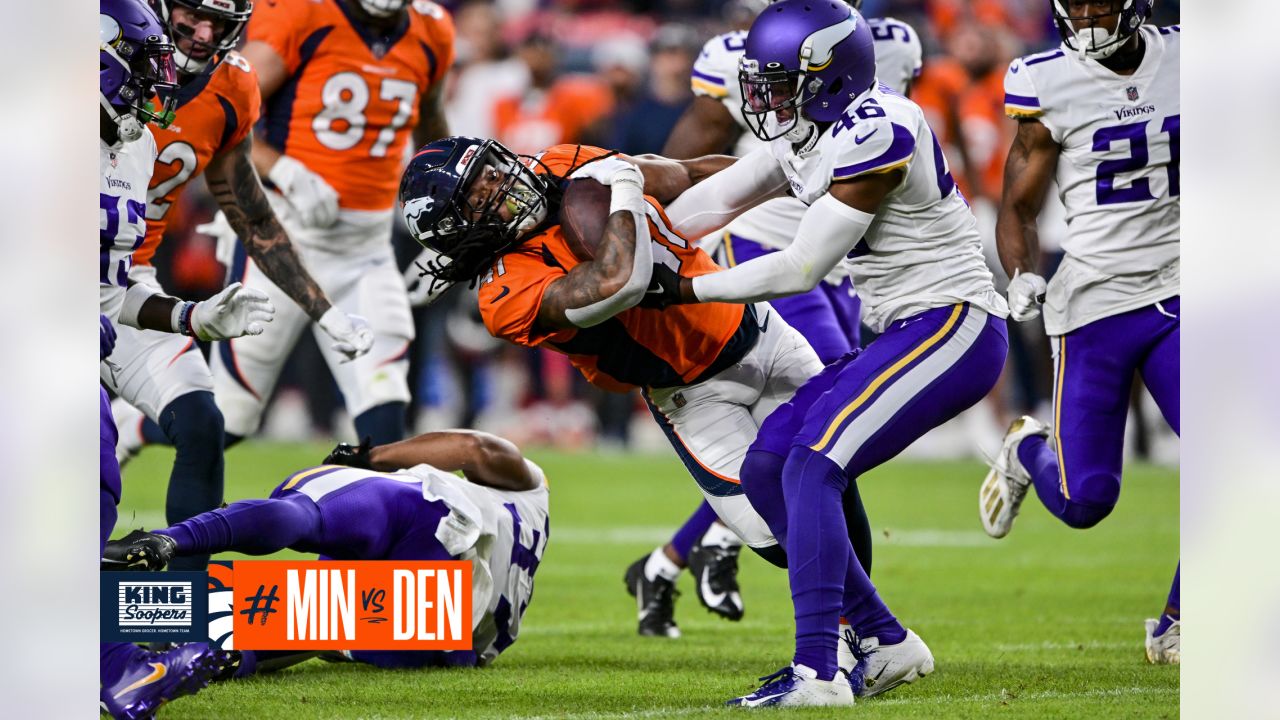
[128, 127]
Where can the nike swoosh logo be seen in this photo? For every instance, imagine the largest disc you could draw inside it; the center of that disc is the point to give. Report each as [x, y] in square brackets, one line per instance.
[859, 139]
[505, 291]
[764, 326]
[713, 599]
[157, 672]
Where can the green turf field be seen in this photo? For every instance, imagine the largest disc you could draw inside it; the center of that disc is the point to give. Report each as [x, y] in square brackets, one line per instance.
[1046, 623]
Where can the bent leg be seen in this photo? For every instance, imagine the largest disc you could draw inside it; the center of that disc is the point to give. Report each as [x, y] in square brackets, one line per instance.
[253, 527]
[193, 424]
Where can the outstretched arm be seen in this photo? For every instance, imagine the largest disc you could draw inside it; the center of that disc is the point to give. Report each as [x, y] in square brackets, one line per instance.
[485, 459]
[706, 127]
[236, 187]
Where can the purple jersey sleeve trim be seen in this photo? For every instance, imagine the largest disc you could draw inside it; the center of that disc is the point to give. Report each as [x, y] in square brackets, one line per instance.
[1043, 57]
[899, 151]
[709, 78]
[1021, 100]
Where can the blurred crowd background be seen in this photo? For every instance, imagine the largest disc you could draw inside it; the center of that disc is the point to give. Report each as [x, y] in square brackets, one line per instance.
[534, 73]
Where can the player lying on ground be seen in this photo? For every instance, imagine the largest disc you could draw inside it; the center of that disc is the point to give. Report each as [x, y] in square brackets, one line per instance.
[879, 193]
[1102, 113]
[164, 377]
[389, 502]
[569, 276]
[827, 316]
[136, 61]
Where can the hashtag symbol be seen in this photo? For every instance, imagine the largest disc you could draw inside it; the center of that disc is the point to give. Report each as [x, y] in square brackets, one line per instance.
[260, 604]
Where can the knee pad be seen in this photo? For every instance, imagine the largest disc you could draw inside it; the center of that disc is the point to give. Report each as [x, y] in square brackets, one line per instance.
[1092, 500]
[193, 422]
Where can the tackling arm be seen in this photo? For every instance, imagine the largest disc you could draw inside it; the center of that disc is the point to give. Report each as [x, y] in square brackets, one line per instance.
[738, 187]
[485, 459]
[1033, 160]
[239, 193]
[830, 228]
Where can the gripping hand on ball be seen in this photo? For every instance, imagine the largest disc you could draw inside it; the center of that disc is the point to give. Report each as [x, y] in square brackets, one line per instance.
[611, 170]
[1026, 295]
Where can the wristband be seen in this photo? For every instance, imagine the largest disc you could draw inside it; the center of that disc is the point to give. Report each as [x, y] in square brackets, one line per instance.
[628, 194]
[180, 320]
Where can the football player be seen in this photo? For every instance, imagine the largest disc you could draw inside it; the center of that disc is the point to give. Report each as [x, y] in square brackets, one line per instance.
[345, 83]
[136, 64]
[709, 373]
[1100, 114]
[878, 191]
[400, 501]
[826, 316]
[161, 375]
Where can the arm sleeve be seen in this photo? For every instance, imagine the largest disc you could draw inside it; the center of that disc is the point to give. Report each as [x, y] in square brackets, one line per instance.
[828, 231]
[641, 266]
[712, 203]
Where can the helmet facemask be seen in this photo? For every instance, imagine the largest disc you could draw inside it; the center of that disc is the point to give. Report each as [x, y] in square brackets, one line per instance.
[1094, 36]
[229, 18]
[769, 92]
[383, 8]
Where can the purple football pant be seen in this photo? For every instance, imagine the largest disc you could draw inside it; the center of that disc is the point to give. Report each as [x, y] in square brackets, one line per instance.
[1094, 367]
[828, 316]
[108, 470]
[370, 518]
[855, 415]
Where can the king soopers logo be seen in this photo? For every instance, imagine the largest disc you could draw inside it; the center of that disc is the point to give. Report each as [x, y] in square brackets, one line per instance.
[155, 604]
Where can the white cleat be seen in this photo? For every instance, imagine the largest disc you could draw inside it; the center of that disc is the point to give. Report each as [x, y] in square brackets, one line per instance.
[797, 686]
[1166, 649]
[128, 421]
[883, 667]
[1007, 481]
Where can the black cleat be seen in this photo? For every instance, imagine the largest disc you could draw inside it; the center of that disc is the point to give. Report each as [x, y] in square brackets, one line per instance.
[139, 550]
[655, 600]
[715, 577]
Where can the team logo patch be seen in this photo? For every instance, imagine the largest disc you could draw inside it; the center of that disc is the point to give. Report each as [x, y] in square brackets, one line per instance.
[1132, 93]
[154, 607]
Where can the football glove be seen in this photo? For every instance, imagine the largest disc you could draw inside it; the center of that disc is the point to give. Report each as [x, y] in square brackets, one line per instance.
[308, 193]
[356, 456]
[352, 336]
[610, 170]
[234, 312]
[664, 288]
[1026, 295]
[106, 337]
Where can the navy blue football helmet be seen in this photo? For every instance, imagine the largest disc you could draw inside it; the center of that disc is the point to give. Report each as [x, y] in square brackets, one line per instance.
[471, 200]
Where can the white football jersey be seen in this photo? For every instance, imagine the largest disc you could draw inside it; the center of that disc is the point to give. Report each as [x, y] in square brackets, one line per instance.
[923, 249]
[715, 72]
[1117, 175]
[122, 199]
[504, 534]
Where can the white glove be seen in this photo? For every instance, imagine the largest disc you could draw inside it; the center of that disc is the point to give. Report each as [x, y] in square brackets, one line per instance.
[234, 312]
[418, 285]
[610, 170]
[1026, 294]
[352, 335]
[310, 195]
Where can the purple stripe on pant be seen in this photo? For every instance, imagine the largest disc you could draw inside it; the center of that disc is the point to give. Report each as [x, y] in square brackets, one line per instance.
[864, 409]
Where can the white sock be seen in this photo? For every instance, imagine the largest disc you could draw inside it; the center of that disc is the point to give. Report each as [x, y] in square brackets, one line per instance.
[660, 566]
[720, 535]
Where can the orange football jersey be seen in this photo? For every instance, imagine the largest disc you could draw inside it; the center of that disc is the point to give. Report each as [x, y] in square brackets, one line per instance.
[351, 100]
[637, 347]
[216, 111]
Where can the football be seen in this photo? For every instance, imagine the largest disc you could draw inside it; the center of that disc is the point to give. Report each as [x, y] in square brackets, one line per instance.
[583, 214]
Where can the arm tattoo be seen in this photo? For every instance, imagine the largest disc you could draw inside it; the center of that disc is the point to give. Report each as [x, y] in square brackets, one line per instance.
[592, 281]
[236, 187]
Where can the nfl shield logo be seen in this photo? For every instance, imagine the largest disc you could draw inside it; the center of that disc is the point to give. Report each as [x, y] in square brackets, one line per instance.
[1132, 92]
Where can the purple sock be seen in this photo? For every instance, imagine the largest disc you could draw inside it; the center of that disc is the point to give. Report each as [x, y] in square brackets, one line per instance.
[819, 555]
[762, 483]
[253, 527]
[1040, 460]
[693, 529]
[1172, 607]
[865, 611]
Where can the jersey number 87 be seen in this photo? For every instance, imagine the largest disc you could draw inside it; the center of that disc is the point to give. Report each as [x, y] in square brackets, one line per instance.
[341, 124]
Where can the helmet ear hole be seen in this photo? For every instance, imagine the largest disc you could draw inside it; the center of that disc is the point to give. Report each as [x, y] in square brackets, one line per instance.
[836, 85]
